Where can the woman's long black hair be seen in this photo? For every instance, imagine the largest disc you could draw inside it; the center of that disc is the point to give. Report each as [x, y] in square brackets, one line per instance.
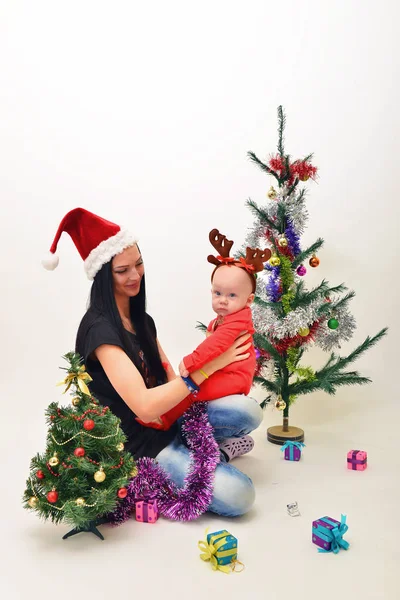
[102, 300]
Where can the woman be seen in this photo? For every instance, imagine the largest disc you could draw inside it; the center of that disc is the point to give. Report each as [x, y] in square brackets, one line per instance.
[131, 373]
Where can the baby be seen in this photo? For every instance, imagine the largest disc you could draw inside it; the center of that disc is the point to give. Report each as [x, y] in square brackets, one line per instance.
[233, 288]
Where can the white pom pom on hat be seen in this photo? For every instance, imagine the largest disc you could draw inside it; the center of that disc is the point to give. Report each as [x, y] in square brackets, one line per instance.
[50, 261]
[96, 239]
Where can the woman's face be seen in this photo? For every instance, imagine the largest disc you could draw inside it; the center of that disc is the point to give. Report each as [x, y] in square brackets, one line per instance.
[127, 272]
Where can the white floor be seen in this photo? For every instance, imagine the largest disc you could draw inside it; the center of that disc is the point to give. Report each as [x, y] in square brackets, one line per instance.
[162, 560]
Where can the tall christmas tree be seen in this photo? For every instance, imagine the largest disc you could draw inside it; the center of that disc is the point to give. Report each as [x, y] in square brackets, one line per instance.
[84, 472]
[288, 318]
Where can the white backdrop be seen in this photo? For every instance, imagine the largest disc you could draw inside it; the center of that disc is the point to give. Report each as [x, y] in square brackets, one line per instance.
[143, 113]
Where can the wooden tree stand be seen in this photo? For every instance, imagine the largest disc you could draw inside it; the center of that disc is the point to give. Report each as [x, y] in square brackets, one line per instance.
[279, 434]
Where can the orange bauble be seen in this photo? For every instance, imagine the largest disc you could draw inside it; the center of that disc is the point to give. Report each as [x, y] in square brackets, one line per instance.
[314, 261]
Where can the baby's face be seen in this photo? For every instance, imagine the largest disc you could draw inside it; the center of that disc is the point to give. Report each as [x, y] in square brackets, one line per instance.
[231, 290]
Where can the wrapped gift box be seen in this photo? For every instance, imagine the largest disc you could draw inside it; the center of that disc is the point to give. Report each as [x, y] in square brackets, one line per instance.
[327, 533]
[357, 460]
[146, 511]
[292, 450]
[220, 549]
[225, 545]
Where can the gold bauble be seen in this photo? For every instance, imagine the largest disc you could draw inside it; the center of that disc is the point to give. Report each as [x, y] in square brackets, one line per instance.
[274, 261]
[280, 404]
[33, 501]
[80, 502]
[75, 400]
[120, 447]
[282, 242]
[53, 462]
[304, 331]
[99, 476]
[272, 193]
[134, 472]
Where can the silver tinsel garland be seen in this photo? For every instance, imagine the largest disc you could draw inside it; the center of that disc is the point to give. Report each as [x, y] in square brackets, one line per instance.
[327, 339]
[266, 323]
[295, 210]
[255, 237]
[267, 370]
[265, 319]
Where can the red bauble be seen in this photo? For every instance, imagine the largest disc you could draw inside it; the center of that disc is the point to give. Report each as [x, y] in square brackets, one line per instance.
[122, 493]
[88, 424]
[40, 474]
[79, 452]
[52, 497]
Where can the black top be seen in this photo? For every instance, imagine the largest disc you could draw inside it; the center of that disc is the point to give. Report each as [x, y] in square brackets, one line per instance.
[94, 331]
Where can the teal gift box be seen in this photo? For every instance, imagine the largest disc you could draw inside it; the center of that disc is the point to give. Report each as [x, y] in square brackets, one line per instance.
[225, 545]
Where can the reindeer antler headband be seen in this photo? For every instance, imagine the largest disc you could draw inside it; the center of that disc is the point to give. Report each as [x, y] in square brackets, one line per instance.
[253, 262]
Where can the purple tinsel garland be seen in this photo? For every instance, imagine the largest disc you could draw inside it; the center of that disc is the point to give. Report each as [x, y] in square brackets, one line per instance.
[273, 285]
[293, 238]
[194, 498]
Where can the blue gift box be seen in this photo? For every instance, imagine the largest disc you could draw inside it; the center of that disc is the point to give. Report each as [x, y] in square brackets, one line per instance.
[225, 545]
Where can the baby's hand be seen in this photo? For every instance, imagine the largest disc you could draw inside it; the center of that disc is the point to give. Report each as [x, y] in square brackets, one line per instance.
[183, 372]
[208, 333]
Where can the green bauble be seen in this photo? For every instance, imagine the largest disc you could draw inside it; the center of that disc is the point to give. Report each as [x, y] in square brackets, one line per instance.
[333, 323]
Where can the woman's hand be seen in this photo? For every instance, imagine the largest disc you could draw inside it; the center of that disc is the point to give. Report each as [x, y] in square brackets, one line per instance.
[183, 372]
[237, 352]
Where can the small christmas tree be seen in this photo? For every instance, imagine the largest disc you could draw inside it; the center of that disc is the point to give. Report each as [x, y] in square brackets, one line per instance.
[83, 474]
[287, 317]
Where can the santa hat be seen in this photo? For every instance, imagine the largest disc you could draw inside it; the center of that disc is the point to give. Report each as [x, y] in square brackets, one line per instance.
[96, 240]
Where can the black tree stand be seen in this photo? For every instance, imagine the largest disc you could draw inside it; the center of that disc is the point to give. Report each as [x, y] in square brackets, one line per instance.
[90, 527]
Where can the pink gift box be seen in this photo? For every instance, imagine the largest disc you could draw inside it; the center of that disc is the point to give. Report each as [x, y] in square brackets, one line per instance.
[146, 512]
[357, 460]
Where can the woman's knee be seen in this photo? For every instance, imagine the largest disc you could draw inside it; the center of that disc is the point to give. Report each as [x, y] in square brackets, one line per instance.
[239, 413]
[255, 412]
[174, 459]
[234, 492]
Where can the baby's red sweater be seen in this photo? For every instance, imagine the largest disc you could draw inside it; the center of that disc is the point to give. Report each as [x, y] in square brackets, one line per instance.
[236, 378]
